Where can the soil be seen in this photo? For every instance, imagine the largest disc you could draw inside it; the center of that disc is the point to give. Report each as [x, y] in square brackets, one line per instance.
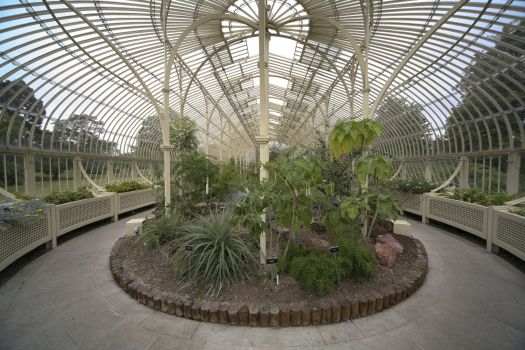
[154, 268]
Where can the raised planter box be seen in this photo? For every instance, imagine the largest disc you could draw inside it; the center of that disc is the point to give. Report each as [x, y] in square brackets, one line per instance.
[469, 217]
[73, 215]
[21, 239]
[508, 231]
[128, 201]
[410, 202]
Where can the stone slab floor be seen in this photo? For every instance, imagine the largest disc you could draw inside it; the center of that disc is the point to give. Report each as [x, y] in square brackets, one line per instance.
[66, 299]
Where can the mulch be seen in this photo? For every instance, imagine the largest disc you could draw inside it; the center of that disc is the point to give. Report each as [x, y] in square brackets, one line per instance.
[155, 269]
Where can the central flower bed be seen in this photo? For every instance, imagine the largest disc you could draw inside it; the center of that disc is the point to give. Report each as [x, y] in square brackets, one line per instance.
[322, 234]
[146, 275]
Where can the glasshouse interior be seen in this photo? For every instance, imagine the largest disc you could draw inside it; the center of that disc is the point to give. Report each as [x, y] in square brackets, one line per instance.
[262, 174]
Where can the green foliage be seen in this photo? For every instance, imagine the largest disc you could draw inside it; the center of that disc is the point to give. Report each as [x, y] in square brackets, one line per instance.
[189, 180]
[387, 207]
[518, 210]
[23, 111]
[415, 185]
[365, 203]
[126, 186]
[220, 256]
[336, 172]
[183, 136]
[227, 181]
[356, 260]
[315, 273]
[353, 136]
[383, 206]
[14, 213]
[352, 207]
[165, 230]
[247, 211]
[475, 195]
[294, 251]
[22, 196]
[293, 186]
[377, 166]
[484, 90]
[316, 270]
[335, 223]
[84, 133]
[68, 196]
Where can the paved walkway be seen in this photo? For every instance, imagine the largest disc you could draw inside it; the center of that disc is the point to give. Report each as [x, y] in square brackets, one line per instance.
[66, 299]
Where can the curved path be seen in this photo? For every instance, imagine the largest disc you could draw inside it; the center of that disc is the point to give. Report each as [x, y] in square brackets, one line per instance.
[66, 299]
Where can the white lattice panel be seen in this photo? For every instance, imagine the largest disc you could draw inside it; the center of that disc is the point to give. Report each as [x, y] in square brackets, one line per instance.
[76, 214]
[410, 202]
[509, 232]
[21, 239]
[469, 217]
[135, 199]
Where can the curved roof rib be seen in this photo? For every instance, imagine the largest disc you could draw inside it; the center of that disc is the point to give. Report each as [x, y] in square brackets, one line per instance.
[445, 78]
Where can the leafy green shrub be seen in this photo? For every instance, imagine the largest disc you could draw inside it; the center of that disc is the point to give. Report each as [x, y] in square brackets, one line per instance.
[19, 213]
[356, 260]
[416, 185]
[315, 273]
[126, 186]
[219, 255]
[475, 195]
[68, 196]
[165, 230]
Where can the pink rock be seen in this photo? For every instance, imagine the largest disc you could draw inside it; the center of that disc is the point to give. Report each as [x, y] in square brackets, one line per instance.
[388, 239]
[386, 254]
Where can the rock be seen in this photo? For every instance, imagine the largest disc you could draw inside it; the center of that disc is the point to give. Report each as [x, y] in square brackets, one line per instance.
[319, 242]
[386, 254]
[388, 239]
[387, 248]
[310, 239]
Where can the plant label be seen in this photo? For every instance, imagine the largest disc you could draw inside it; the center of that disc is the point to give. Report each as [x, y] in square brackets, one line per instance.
[271, 261]
[334, 249]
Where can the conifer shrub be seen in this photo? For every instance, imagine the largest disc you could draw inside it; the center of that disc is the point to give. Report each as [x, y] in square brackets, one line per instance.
[315, 273]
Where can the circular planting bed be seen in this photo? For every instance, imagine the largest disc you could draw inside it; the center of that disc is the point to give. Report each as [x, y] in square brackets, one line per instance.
[146, 275]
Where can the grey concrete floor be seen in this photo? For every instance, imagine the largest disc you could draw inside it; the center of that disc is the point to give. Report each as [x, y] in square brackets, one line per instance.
[66, 299]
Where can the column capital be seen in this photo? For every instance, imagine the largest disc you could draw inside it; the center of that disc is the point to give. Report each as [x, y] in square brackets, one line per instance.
[167, 147]
[261, 139]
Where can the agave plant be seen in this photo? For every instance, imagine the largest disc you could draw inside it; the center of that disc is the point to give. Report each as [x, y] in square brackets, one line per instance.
[216, 255]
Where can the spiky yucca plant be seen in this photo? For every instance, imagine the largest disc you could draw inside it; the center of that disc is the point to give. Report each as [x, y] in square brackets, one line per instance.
[219, 255]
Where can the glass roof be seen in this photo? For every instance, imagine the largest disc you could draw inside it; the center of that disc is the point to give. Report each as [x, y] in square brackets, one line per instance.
[443, 77]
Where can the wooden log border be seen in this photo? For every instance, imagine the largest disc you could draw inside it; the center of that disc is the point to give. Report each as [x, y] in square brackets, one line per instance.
[296, 314]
